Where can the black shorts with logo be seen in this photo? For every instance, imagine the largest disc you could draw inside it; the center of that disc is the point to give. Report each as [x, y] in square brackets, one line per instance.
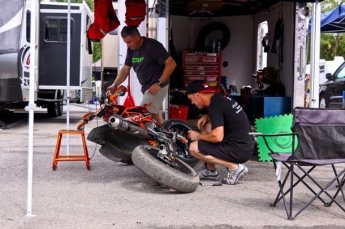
[227, 153]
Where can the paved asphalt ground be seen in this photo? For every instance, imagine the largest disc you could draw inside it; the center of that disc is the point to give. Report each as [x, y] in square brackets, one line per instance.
[114, 195]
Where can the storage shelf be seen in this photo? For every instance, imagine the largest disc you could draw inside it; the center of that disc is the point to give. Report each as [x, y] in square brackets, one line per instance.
[201, 66]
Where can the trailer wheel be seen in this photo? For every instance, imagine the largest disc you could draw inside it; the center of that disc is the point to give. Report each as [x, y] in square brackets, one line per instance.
[60, 104]
[53, 109]
[60, 108]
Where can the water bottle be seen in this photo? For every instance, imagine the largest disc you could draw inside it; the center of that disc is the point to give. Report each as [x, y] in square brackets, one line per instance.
[218, 46]
[213, 45]
[224, 81]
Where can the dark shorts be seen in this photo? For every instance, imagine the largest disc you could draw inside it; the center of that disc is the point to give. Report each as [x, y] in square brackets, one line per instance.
[226, 153]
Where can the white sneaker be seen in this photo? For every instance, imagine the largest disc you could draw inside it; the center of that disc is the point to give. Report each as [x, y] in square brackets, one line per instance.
[234, 175]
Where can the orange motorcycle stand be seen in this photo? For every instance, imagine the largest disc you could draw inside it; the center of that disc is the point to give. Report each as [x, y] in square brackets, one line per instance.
[58, 157]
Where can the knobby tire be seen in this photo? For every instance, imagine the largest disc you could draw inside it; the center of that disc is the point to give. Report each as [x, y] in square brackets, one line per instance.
[184, 180]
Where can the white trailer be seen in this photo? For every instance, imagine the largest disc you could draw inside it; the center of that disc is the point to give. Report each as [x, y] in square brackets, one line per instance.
[51, 81]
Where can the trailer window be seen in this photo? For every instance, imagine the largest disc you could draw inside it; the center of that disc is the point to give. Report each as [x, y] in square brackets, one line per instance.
[55, 29]
[28, 23]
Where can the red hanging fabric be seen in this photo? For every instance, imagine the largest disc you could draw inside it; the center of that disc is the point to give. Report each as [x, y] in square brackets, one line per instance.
[105, 20]
[135, 12]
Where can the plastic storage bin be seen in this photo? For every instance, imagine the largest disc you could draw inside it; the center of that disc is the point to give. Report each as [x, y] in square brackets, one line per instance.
[178, 111]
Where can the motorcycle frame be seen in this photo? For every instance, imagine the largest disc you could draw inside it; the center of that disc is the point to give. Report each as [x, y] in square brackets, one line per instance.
[137, 115]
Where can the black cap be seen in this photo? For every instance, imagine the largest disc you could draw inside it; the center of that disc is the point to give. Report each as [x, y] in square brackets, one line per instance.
[198, 86]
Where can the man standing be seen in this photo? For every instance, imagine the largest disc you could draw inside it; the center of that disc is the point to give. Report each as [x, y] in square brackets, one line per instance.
[153, 66]
[224, 138]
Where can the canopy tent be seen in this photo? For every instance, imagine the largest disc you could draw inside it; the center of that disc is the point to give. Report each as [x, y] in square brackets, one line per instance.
[32, 79]
[332, 21]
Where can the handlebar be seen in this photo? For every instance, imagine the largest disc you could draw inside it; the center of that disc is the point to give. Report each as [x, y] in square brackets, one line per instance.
[86, 118]
[120, 91]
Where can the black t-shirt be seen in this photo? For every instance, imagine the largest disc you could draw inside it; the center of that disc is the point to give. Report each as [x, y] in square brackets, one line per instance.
[225, 111]
[148, 62]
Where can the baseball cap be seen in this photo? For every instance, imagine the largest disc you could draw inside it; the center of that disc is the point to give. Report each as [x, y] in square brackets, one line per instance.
[198, 86]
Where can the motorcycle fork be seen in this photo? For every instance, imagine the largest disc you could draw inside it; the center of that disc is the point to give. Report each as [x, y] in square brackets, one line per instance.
[164, 153]
[171, 151]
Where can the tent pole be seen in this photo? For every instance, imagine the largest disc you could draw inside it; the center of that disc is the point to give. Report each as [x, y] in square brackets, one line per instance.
[68, 69]
[163, 37]
[315, 55]
[31, 102]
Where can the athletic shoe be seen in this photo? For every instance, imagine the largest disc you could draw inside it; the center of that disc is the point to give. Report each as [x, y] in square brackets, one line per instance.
[205, 174]
[234, 175]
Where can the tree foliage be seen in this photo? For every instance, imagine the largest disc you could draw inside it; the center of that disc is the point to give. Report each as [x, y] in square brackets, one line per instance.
[88, 2]
[331, 45]
[328, 5]
[97, 51]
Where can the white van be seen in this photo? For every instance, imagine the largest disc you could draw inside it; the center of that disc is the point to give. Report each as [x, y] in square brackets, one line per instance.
[328, 66]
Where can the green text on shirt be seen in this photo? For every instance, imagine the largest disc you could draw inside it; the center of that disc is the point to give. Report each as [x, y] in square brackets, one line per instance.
[137, 60]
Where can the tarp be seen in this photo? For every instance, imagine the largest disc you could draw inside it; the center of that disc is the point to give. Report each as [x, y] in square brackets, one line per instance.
[332, 21]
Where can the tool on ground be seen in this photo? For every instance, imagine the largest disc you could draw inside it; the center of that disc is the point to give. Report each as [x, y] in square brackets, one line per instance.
[210, 184]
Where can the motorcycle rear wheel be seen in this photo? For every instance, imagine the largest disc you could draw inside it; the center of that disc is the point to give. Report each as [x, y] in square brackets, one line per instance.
[180, 177]
[183, 127]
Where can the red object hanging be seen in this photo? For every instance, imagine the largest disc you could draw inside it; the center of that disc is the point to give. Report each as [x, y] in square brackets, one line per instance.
[135, 12]
[129, 101]
[105, 20]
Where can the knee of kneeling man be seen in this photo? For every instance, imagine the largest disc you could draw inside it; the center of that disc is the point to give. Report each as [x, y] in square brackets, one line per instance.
[192, 152]
[193, 149]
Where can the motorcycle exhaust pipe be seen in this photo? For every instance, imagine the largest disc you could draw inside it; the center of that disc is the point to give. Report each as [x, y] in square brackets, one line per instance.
[118, 123]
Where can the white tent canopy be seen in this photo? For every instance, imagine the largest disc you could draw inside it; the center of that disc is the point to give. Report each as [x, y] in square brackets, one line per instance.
[315, 34]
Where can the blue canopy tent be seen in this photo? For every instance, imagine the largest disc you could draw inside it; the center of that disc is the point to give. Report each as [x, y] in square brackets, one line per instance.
[332, 21]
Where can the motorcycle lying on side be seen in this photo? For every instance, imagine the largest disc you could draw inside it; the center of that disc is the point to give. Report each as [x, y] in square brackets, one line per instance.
[131, 135]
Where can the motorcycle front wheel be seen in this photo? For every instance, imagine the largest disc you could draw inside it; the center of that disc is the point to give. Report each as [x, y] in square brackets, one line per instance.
[182, 127]
[178, 175]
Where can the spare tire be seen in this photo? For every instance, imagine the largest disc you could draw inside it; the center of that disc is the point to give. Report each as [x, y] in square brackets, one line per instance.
[209, 29]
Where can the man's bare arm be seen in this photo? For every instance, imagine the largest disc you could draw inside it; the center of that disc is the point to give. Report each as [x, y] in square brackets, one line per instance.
[170, 65]
[121, 76]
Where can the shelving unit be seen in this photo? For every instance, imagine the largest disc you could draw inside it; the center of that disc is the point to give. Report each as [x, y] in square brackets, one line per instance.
[202, 66]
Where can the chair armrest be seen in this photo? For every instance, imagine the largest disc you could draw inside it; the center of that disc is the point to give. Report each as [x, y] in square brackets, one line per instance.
[264, 136]
[270, 135]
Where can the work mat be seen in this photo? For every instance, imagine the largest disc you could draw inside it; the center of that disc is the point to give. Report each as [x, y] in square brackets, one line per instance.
[274, 125]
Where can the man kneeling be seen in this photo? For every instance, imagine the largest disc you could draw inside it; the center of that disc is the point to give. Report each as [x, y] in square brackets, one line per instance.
[224, 138]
